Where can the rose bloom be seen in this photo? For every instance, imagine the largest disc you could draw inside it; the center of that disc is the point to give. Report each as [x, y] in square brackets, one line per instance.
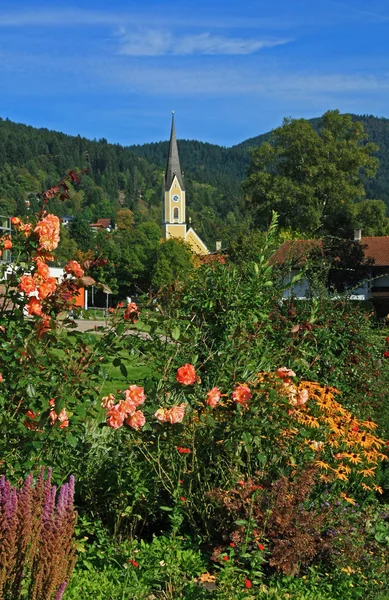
[241, 394]
[186, 374]
[248, 583]
[298, 399]
[27, 284]
[15, 221]
[7, 244]
[136, 394]
[108, 401]
[1, 378]
[137, 420]
[285, 374]
[171, 415]
[48, 232]
[42, 270]
[131, 312]
[213, 397]
[34, 307]
[115, 417]
[386, 354]
[74, 268]
[63, 419]
[47, 288]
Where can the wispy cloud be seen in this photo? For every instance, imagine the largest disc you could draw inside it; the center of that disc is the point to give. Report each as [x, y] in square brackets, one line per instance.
[158, 43]
[361, 12]
[239, 81]
[79, 17]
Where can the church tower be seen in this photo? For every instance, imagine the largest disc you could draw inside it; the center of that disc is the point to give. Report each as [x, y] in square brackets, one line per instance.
[174, 207]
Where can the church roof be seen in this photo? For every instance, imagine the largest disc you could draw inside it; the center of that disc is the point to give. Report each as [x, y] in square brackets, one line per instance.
[173, 162]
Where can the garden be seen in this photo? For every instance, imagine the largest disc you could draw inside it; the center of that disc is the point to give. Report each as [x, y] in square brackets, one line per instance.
[238, 450]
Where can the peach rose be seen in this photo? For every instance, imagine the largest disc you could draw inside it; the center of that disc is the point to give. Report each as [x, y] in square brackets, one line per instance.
[213, 397]
[132, 312]
[136, 394]
[7, 244]
[108, 401]
[27, 284]
[63, 419]
[34, 307]
[116, 416]
[74, 268]
[186, 374]
[172, 415]
[42, 270]
[47, 288]
[137, 420]
[48, 232]
[285, 374]
[241, 394]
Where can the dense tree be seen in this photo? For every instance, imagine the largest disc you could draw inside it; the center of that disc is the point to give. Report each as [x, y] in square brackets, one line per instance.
[311, 177]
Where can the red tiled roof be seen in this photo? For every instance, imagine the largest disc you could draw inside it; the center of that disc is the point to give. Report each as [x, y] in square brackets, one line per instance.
[296, 251]
[103, 223]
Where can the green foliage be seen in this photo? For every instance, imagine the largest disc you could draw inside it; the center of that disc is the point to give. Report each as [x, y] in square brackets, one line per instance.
[311, 177]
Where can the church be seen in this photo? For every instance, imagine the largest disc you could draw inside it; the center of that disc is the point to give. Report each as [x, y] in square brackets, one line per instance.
[174, 206]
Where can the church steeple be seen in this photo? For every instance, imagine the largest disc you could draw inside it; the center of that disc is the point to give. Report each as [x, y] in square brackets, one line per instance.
[173, 162]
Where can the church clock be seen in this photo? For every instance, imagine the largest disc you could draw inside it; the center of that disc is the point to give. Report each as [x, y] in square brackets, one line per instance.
[175, 198]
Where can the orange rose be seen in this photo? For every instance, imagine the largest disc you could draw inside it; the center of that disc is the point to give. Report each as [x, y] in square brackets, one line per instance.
[42, 269]
[48, 232]
[27, 284]
[15, 221]
[63, 419]
[132, 312]
[285, 374]
[34, 307]
[171, 415]
[186, 374]
[73, 268]
[213, 397]
[7, 244]
[47, 288]
[116, 416]
[136, 394]
[241, 394]
[137, 420]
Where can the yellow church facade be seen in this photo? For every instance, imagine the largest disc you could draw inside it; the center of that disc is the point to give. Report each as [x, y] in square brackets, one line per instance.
[174, 208]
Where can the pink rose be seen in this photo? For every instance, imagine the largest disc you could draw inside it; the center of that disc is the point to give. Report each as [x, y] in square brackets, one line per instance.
[241, 394]
[137, 420]
[213, 397]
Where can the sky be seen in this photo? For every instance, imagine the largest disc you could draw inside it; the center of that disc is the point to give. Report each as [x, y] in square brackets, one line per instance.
[229, 69]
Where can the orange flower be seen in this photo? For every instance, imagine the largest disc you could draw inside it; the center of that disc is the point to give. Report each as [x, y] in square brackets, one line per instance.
[1, 378]
[285, 374]
[136, 394]
[170, 415]
[48, 232]
[42, 269]
[213, 397]
[241, 394]
[63, 419]
[74, 268]
[132, 312]
[27, 284]
[116, 416]
[34, 307]
[15, 221]
[137, 420]
[47, 288]
[186, 374]
[108, 401]
[7, 244]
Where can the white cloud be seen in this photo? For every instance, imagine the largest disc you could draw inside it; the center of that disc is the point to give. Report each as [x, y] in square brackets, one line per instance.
[157, 43]
[79, 17]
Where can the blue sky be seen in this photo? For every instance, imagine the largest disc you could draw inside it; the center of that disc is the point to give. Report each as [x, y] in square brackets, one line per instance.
[229, 69]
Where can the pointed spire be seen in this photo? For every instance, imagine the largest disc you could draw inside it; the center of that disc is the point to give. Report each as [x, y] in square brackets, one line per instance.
[173, 162]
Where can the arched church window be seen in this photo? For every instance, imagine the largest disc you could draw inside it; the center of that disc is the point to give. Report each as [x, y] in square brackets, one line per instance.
[175, 213]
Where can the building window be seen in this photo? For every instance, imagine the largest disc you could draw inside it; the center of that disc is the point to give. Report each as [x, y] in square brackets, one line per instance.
[175, 213]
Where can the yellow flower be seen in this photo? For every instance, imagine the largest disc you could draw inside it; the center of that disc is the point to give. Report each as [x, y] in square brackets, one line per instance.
[322, 465]
[368, 472]
[347, 498]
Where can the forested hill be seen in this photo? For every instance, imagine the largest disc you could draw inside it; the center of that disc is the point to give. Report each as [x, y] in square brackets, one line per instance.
[131, 177]
[224, 166]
